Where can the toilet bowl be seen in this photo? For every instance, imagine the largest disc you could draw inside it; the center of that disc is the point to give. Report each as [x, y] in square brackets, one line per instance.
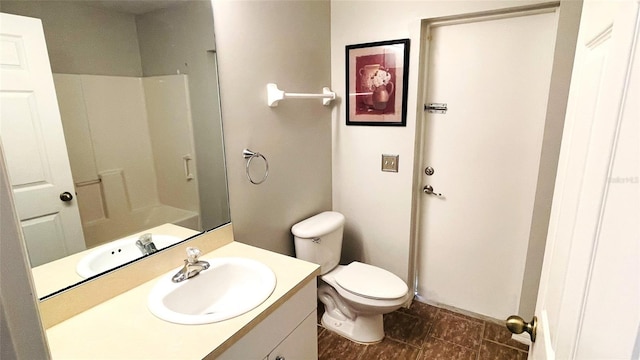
[356, 295]
[355, 298]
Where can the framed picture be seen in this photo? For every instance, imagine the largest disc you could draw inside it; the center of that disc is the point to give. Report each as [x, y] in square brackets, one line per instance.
[377, 79]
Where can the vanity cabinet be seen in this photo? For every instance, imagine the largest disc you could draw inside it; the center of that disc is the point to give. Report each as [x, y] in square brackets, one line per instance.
[284, 325]
[289, 333]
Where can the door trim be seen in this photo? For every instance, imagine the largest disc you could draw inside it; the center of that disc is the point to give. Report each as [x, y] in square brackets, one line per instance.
[420, 136]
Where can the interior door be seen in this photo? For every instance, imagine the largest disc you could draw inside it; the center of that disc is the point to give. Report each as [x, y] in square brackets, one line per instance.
[33, 141]
[494, 74]
[588, 303]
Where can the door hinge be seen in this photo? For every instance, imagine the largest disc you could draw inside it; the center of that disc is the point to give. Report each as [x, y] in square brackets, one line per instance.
[436, 108]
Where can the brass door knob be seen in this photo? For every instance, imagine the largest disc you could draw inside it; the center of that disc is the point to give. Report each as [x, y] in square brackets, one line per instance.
[517, 325]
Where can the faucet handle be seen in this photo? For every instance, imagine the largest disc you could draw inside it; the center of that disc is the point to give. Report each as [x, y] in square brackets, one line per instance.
[146, 238]
[193, 254]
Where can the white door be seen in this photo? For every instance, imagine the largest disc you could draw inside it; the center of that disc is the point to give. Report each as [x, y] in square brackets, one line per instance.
[494, 75]
[33, 141]
[588, 303]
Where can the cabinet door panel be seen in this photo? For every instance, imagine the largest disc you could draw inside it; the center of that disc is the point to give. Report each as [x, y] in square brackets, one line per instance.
[264, 337]
[297, 345]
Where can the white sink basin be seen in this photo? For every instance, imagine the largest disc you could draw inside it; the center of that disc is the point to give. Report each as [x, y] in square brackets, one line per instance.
[228, 288]
[116, 253]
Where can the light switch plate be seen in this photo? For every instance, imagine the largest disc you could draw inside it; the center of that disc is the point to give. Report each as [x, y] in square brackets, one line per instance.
[390, 162]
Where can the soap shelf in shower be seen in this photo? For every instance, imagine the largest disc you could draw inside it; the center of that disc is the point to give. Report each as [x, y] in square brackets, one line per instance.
[274, 95]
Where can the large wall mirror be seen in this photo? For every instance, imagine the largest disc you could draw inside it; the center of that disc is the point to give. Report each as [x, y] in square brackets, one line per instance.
[136, 85]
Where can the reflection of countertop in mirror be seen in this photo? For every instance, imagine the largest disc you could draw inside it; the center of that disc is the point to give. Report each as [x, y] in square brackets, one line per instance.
[124, 328]
[59, 274]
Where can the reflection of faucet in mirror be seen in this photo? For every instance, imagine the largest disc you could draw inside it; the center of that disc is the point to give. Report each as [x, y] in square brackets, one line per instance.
[192, 266]
[149, 71]
[145, 244]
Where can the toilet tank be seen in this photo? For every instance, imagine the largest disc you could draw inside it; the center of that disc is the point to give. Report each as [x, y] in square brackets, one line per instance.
[318, 239]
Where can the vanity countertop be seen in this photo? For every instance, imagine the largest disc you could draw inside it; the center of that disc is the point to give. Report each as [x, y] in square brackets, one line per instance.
[124, 328]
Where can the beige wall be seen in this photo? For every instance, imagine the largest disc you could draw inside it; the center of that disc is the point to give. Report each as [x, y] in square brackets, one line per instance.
[87, 40]
[377, 205]
[286, 42]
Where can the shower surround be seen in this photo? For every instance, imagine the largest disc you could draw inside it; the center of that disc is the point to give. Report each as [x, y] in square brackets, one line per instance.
[130, 144]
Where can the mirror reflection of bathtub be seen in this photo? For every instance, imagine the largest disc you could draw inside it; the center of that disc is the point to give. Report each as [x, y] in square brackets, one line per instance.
[140, 220]
[136, 84]
[132, 175]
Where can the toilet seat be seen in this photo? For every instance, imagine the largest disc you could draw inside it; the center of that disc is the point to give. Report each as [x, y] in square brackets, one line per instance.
[370, 282]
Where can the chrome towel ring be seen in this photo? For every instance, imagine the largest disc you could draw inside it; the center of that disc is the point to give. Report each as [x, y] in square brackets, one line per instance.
[250, 155]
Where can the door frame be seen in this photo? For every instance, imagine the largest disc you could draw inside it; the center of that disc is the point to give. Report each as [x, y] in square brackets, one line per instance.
[19, 306]
[562, 67]
[585, 256]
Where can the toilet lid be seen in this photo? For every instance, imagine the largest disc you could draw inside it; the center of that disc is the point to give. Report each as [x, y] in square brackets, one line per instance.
[371, 282]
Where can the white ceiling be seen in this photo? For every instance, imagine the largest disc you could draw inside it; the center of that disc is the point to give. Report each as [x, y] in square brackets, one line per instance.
[136, 7]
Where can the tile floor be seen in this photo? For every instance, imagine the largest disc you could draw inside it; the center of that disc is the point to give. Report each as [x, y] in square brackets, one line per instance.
[425, 332]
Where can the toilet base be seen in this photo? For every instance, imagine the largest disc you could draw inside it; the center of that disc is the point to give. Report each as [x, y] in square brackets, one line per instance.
[365, 329]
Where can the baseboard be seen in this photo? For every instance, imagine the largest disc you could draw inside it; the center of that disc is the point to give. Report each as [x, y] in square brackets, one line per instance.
[522, 338]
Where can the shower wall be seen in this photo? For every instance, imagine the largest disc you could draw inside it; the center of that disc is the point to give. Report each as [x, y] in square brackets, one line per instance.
[120, 133]
[172, 144]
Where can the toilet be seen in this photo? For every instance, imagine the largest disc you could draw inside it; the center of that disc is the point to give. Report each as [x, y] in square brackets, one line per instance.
[355, 296]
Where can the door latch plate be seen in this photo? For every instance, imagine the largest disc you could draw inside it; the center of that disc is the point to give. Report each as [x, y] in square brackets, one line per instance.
[436, 108]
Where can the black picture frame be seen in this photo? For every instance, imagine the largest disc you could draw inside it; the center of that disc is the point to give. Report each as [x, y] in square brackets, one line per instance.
[377, 75]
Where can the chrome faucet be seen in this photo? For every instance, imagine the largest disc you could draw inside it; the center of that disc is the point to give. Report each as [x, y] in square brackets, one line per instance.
[192, 266]
[145, 244]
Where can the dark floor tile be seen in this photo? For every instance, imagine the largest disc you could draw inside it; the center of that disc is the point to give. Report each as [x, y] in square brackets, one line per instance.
[436, 349]
[458, 330]
[333, 346]
[500, 334]
[494, 351]
[406, 328]
[421, 310]
[390, 349]
[442, 334]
